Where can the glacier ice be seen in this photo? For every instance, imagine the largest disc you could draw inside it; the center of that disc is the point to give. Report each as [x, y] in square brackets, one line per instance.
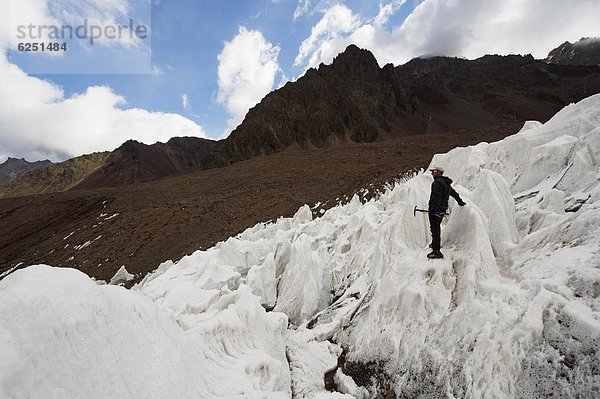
[513, 310]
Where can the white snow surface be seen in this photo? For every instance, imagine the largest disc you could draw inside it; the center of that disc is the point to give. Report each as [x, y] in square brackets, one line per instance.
[512, 311]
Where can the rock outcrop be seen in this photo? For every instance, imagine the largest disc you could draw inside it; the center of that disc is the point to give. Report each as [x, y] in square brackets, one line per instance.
[586, 51]
[14, 168]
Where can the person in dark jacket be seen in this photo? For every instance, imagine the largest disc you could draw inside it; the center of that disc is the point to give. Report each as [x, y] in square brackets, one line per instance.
[441, 190]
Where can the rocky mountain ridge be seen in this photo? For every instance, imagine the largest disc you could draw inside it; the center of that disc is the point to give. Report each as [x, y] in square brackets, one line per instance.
[355, 100]
[13, 168]
[133, 162]
[352, 100]
[57, 177]
[586, 51]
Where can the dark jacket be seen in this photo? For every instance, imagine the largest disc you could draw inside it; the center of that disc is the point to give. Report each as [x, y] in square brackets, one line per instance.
[441, 190]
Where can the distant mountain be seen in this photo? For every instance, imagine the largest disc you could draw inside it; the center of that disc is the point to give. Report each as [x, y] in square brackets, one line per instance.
[56, 177]
[14, 168]
[133, 162]
[354, 100]
[584, 52]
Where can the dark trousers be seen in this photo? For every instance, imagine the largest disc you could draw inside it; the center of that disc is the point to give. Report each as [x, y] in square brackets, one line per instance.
[435, 222]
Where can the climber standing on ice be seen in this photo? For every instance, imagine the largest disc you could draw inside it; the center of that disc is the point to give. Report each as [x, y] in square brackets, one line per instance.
[441, 190]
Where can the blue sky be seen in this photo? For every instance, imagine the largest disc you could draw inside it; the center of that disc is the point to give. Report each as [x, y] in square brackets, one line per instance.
[207, 62]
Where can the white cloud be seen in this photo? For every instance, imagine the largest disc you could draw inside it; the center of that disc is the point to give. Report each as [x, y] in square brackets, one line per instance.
[102, 13]
[74, 13]
[247, 69]
[468, 28]
[185, 102]
[301, 8]
[386, 11]
[38, 121]
[15, 13]
[310, 7]
[327, 36]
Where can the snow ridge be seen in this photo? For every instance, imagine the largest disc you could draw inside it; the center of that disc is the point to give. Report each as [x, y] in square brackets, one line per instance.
[513, 309]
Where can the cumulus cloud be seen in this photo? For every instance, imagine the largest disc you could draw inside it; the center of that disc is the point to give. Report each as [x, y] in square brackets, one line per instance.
[337, 21]
[15, 13]
[38, 121]
[468, 28]
[340, 26]
[248, 65]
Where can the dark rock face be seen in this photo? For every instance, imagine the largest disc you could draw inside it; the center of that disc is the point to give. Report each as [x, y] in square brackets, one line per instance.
[584, 52]
[354, 100]
[14, 168]
[135, 162]
[351, 100]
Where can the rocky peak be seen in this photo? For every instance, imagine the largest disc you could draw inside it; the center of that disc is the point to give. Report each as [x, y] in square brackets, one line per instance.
[586, 51]
[131, 145]
[355, 61]
[18, 162]
[16, 167]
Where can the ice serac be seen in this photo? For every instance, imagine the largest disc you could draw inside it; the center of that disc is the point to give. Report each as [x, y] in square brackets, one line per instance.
[513, 309]
[63, 336]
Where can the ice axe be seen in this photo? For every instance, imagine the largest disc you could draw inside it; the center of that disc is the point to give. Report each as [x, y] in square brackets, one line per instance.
[426, 211]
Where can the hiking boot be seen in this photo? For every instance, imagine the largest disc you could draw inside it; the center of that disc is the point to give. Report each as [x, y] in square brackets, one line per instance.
[435, 255]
